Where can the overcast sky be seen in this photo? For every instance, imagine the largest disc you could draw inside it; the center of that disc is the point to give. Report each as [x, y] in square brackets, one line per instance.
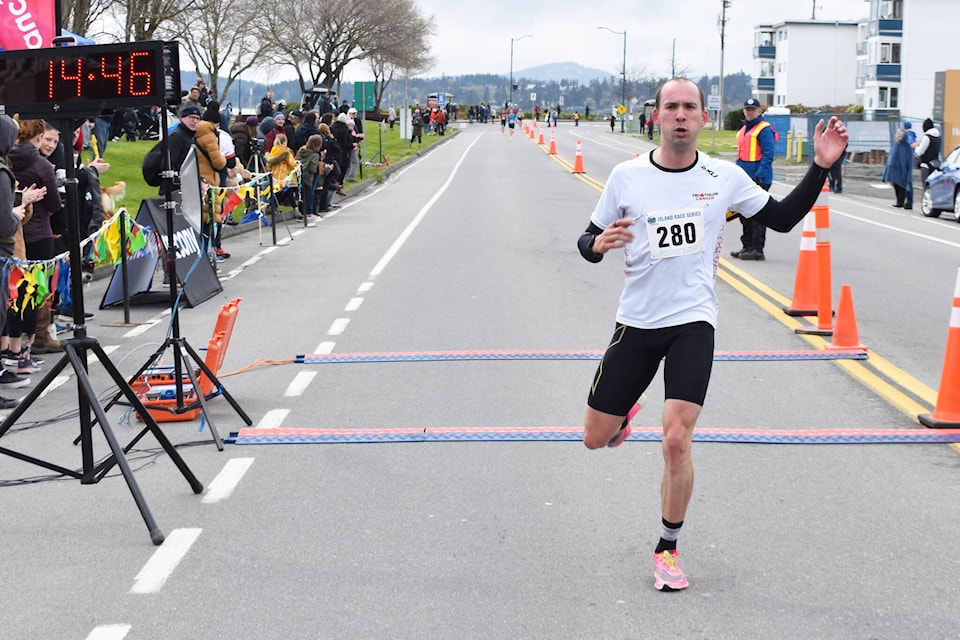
[473, 36]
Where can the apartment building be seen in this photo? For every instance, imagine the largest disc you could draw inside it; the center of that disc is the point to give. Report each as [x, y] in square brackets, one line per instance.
[887, 60]
[809, 62]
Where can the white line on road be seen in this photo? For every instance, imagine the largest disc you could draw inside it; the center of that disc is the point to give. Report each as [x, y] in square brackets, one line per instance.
[142, 328]
[56, 382]
[227, 480]
[273, 419]
[325, 347]
[109, 632]
[339, 326]
[300, 383]
[354, 304]
[365, 287]
[402, 238]
[164, 560]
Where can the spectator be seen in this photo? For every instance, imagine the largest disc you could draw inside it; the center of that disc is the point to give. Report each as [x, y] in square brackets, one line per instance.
[10, 218]
[31, 168]
[191, 99]
[267, 108]
[899, 170]
[305, 130]
[928, 149]
[244, 132]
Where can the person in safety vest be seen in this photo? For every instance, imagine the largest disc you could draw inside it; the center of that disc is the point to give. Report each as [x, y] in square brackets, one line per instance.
[755, 144]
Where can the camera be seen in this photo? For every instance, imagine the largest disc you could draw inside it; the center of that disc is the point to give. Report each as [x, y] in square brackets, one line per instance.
[258, 145]
[61, 180]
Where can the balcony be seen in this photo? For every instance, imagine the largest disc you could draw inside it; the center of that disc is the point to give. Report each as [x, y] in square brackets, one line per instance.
[885, 28]
[861, 48]
[884, 72]
[766, 84]
[765, 52]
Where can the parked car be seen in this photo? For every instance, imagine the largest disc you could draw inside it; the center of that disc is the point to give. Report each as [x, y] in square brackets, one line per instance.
[942, 189]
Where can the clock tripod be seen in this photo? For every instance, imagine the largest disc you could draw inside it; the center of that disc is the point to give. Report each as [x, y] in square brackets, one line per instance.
[68, 82]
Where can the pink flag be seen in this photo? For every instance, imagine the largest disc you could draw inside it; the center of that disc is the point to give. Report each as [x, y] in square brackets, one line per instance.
[27, 24]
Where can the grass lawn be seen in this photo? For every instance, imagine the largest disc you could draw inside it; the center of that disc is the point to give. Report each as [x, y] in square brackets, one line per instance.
[126, 160]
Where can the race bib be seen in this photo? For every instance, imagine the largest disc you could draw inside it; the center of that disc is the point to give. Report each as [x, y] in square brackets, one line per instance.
[677, 232]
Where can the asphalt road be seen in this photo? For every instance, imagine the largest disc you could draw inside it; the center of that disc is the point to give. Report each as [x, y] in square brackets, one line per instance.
[473, 247]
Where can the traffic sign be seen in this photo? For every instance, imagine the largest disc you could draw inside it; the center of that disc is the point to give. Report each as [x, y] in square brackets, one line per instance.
[713, 103]
[621, 109]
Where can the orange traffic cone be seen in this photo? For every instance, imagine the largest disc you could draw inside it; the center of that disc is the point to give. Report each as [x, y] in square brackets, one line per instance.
[553, 145]
[804, 301]
[578, 161]
[845, 333]
[947, 412]
[540, 141]
[824, 279]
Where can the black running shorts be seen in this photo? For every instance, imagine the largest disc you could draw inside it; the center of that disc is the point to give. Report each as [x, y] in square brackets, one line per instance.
[633, 358]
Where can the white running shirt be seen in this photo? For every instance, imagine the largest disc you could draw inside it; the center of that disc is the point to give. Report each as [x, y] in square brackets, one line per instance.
[671, 264]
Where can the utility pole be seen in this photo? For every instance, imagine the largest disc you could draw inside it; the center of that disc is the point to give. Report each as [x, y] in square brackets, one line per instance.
[723, 29]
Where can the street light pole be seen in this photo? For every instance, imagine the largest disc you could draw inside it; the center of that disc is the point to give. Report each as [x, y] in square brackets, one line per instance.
[623, 75]
[512, 42]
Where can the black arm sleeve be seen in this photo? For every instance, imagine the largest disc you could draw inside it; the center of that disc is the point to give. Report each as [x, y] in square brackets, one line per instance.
[585, 243]
[785, 214]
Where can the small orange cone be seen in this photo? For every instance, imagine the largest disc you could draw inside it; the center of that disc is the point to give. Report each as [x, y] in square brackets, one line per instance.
[578, 161]
[947, 412]
[553, 145]
[540, 141]
[804, 301]
[846, 336]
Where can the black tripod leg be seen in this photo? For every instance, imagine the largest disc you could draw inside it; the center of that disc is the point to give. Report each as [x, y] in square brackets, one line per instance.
[201, 400]
[148, 420]
[84, 381]
[216, 383]
[32, 396]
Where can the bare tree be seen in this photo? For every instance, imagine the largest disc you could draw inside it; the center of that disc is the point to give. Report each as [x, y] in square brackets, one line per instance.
[220, 37]
[400, 52]
[325, 36]
[142, 18]
[78, 15]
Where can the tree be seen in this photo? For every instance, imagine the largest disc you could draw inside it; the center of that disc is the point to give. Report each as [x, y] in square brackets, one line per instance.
[142, 18]
[401, 53]
[322, 37]
[79, 15]
[236, 47]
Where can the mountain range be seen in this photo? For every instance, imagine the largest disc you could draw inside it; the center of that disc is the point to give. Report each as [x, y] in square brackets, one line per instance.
[559, 71]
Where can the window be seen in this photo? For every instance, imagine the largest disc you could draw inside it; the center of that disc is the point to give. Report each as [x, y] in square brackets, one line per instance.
[894, 101]
[891, 9]
[882, 99]
[890, 53]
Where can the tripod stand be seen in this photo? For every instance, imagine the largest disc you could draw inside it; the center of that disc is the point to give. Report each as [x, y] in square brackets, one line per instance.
[179, 345]
[380, 158]
[75, 355]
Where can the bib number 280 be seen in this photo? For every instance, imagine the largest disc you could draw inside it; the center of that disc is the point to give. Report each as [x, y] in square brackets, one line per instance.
[675, 233]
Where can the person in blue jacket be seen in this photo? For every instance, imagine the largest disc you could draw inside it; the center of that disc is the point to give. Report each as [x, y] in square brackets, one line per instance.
[755, 146]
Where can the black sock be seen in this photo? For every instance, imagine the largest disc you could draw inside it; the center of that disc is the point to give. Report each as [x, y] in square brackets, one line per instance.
[669, 532]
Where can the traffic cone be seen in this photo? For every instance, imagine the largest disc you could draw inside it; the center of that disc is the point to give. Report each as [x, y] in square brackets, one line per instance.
[804, 301]
[540, 141]
[578, 161]
[824, 278]
[947, 412]
[845, 334]
[553, 145]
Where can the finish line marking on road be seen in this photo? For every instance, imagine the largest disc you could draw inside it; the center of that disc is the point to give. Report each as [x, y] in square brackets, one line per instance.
[420, 356]
[296, 435]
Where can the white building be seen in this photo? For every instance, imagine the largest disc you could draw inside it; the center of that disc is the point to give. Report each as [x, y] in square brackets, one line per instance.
[809, 62]
[903, 43]
[885, 61]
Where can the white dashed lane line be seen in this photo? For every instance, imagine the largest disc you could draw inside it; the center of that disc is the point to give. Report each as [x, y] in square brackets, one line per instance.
[227, 480]
[164, 561]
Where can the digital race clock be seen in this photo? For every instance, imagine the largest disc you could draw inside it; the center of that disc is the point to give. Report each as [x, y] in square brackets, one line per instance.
[86, 80]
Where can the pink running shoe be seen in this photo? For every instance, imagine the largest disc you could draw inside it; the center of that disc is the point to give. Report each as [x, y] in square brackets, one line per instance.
[666, 572]
[621, 436]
